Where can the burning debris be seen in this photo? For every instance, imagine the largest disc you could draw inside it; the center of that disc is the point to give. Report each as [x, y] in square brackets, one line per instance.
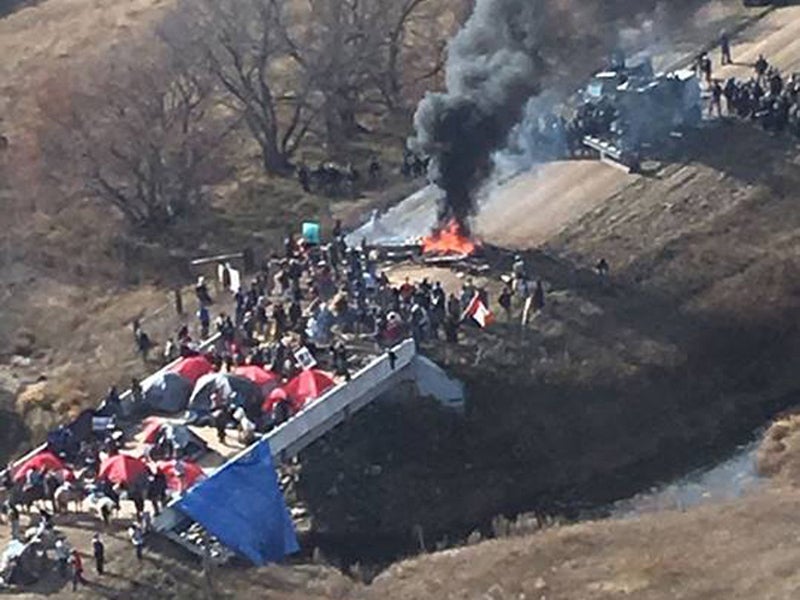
[449, 240]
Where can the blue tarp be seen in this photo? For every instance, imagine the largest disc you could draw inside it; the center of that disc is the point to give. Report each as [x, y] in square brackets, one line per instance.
[243, 506]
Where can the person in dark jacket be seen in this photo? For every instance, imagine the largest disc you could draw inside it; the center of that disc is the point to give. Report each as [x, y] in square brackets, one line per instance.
[99, 551]
[761, 68]
[504, 299]
[725, 48]
[341, 362]
[295, 314]
[144, 344]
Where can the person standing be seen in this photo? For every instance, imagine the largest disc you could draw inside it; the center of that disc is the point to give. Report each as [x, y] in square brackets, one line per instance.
[137, 539]
[295, 314]
[205, 321]
[716, 100]
[304, 177]
[144, 344]
[602, 267]
[451, 324]
[761, 68]
[505, 300]
[137, 394]
[201, 292]
[706, 68]
[341, 362]
[170, 352]
[77, 570]
[219, 415]
[13, 521]
[178, 298]
[62, 553]
[725, 48]
[137, 327]
[99, 551]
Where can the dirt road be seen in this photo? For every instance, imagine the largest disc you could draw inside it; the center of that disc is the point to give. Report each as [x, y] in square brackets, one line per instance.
[533, 207]
[777, 37]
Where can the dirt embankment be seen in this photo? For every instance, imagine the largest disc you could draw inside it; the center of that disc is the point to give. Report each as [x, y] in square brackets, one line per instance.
[740, 551]
[688, 348]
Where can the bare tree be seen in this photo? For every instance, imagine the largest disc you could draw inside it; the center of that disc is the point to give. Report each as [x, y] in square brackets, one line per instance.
[136, 136]
[246, 42]
[359, 53]
[398, 18]
[338, 53]
[285, 66]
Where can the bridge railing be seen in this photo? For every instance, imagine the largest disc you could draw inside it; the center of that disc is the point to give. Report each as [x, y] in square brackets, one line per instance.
[338, 403]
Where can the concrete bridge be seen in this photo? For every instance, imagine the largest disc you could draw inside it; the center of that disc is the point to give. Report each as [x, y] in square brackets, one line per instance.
[402, 364]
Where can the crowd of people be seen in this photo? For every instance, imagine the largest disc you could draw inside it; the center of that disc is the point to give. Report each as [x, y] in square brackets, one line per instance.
[329, 305]
[332, 179]
[768, 98]
[323, 298]
[336, 180]
[26, 498]
[75, 469]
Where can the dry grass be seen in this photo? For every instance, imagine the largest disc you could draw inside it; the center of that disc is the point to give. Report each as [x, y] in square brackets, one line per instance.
[779, 454]
[739, 555]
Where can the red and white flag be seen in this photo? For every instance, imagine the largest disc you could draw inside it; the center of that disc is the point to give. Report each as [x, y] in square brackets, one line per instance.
[477, 310]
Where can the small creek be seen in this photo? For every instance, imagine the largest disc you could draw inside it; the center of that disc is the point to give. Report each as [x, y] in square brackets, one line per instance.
[727, 480]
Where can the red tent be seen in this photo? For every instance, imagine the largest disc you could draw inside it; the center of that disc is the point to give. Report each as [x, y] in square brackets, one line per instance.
[261, 377]
[192, 473]
[275, 396]
[44, 461]
[151, 430]
[122, 468]
[193, 368]
[307, 386]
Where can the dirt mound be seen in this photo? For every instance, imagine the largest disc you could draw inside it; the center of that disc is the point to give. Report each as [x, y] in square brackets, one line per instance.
[779, 453]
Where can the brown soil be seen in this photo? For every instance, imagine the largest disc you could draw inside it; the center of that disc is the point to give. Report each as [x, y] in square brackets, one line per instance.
[779, 453]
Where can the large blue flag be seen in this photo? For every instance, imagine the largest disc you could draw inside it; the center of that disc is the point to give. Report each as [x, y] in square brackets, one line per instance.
[243, 506]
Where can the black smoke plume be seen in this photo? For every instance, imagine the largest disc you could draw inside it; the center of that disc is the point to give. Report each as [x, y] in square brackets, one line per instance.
[493, 67]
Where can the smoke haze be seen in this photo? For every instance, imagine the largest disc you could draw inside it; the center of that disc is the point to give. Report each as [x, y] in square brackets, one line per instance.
[493, 67]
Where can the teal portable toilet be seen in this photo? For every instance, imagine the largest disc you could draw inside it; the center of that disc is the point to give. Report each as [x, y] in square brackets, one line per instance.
[311, 232]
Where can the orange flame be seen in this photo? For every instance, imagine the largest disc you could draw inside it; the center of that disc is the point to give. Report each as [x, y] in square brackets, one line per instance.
[448, 240]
